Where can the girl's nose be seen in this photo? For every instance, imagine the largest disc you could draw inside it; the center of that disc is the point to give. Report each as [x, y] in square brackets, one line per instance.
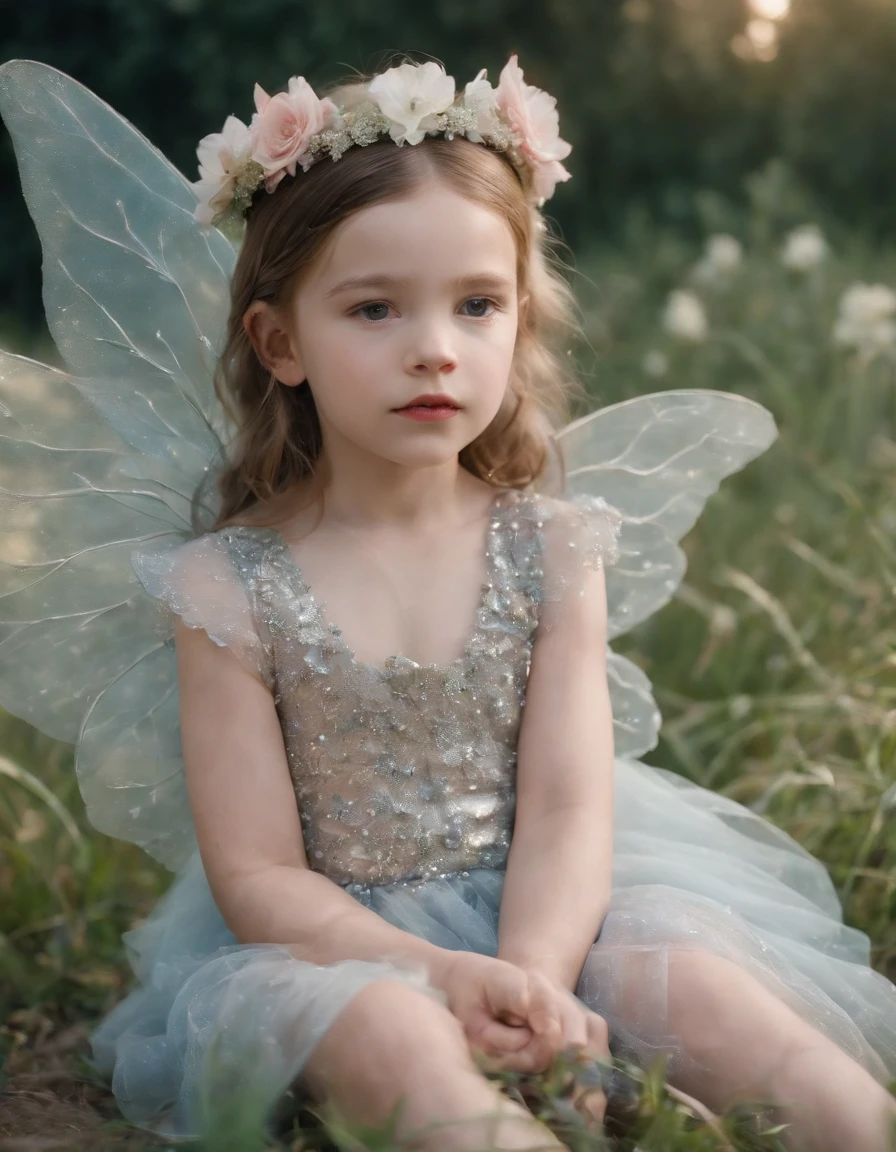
[431, 350]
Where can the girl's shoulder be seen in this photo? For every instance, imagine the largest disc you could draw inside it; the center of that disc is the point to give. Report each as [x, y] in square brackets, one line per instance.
[578, 529]
[555, 541]
[208, 559]
[205, 583]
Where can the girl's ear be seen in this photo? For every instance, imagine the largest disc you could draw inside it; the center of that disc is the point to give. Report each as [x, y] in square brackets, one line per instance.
[275, 345]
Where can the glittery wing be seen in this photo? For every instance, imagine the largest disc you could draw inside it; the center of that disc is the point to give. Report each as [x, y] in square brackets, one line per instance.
[656, 459]
[103, 459]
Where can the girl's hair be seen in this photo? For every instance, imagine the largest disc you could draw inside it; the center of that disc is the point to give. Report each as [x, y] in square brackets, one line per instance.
[279, 436]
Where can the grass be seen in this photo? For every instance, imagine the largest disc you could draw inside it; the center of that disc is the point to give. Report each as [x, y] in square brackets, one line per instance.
[774, 666]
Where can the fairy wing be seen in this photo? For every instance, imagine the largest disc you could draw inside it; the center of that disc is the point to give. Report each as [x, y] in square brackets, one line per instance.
[656, 459]
[105, 458]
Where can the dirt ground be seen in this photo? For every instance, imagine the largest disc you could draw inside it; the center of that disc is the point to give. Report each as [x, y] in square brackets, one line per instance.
[49, 1099]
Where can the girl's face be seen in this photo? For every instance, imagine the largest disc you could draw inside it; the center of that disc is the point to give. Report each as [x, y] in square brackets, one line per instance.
[410, 297]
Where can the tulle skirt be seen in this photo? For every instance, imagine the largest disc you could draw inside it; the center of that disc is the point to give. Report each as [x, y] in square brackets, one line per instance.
[692, 870]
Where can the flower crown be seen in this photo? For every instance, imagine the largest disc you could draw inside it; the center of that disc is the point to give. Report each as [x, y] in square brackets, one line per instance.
[406, 103]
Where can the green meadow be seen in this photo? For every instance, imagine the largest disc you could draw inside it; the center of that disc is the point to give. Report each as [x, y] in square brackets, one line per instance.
[774, 665]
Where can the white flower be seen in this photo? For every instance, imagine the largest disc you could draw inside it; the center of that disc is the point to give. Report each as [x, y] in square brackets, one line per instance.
[480, 96]
[804, 248]
[223, 157]
[722, 257]
[411, 96]
[865, 320]
[722, 620]
[724, 252]
[655, 363]
[684, 316]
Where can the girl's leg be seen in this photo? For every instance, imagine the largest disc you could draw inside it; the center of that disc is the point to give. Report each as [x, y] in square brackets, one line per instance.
[392, 1042]
[750, 1044]
[733, 1039]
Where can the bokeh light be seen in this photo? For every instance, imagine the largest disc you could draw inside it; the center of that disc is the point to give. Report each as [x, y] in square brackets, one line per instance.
[770, 9]
[758, 42]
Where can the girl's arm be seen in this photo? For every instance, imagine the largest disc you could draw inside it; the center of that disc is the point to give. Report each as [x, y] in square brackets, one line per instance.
[559, 870]
[247, 822]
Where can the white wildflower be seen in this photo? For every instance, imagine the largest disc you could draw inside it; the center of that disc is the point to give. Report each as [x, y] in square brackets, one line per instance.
[722, 620]
[722, 257]
[804, 248]
[655, 363]
[740, 706]
[866, 318]
[684, 316]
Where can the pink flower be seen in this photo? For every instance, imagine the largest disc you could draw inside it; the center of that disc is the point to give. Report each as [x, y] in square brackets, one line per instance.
[533, 119]
[283, 125]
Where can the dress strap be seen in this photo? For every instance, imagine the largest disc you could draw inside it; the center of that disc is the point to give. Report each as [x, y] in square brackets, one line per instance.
[548, 545]
[513, 594]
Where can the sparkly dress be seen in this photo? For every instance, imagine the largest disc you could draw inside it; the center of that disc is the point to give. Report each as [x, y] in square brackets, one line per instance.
[404, 777]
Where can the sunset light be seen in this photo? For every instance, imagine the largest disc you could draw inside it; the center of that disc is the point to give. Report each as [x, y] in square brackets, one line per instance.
[770, 9]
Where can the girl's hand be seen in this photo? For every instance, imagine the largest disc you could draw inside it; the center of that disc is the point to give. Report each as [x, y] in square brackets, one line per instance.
[490, 999]
[519, 1020]
[557, 1022]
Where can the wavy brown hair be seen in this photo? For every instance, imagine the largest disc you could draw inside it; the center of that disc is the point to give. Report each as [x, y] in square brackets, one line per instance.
[279, 435]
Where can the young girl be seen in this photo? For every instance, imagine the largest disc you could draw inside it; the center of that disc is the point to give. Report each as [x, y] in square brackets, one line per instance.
[414, 848]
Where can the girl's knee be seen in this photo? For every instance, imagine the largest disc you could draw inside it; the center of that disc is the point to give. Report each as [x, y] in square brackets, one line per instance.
[718, 1004]
[707, 974]
[388, 1029]
[387, 1012]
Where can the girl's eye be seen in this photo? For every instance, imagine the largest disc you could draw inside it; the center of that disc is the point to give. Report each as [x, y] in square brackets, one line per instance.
[486, 300]
[366, 308]
[478, 314]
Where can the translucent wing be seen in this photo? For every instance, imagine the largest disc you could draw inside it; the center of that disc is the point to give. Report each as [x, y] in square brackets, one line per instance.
[656, 459]
[105, 458]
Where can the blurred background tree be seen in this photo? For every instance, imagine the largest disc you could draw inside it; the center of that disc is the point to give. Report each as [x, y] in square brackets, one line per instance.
[660, 98]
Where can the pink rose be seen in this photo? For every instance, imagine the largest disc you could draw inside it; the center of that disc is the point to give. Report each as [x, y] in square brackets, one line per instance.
[533, 119]
[283, 125]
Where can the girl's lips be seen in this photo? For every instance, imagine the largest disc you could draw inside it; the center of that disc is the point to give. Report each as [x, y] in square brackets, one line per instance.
[428, 412]
[431, 400]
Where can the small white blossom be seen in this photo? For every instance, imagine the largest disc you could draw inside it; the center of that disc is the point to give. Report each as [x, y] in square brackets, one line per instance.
[740, 706]
[684, 316]
[866, 318]
[655, 363]
[722, 257]
[804, 248]
[224, 158]
[411, 96]
[722, 620]
[479, 96]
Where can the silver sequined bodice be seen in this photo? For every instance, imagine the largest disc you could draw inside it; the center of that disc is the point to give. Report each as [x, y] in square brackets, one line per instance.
[408, 771]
